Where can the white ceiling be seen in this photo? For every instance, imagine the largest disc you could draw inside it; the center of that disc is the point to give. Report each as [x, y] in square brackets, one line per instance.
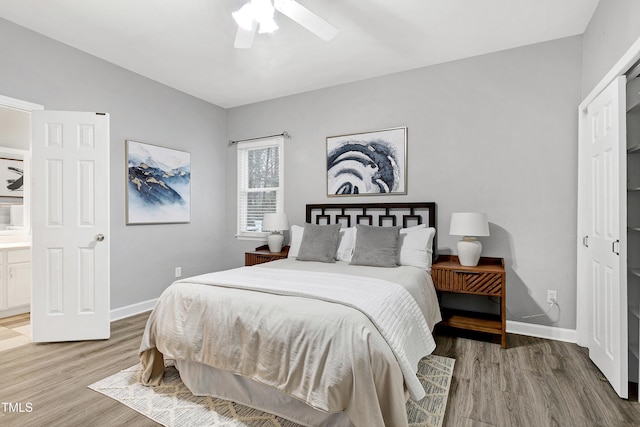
[188, 44]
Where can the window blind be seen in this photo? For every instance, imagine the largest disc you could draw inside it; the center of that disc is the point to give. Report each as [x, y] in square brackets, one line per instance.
[260, 183]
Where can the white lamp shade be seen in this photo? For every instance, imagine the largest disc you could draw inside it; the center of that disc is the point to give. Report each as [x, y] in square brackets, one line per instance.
[275, 222]
[469, 224]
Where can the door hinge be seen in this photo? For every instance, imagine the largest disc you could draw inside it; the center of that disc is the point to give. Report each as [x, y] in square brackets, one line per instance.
[101, 114]
[585, 241]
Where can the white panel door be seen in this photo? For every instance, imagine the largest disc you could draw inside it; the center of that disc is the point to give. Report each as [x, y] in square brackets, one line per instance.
[606, 224]
[70, 223]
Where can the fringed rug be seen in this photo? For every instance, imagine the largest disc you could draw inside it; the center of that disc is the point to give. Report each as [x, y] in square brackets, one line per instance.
[172, 404]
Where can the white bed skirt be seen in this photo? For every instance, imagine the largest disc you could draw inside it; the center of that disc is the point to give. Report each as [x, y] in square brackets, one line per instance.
[204, 380]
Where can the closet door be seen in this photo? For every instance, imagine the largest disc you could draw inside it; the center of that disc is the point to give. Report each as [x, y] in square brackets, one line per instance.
[604, 245]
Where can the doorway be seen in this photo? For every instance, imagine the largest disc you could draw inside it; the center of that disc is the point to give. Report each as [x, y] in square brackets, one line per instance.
[15, 218]
[595, 327]
[66, 281]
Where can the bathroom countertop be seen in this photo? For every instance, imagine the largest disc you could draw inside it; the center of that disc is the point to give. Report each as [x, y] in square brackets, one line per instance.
[11, 245]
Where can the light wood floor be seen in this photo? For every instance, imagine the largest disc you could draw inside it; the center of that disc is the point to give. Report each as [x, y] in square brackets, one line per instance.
[534, 382]
[15, 331]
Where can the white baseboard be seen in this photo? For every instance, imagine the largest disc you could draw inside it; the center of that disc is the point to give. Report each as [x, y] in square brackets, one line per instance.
[541, 331]
[133, 309]
[15, 311]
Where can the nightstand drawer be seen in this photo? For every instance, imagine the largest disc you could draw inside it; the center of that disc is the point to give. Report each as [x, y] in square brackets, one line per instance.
[259, 259]
[472, 282]
[262, 254]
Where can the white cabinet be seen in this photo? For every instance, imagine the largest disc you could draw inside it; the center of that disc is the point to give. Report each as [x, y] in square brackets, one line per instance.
[15, 281]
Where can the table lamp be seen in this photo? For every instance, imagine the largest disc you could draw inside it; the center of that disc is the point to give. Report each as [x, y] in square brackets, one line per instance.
[469, 225]
[275, 222]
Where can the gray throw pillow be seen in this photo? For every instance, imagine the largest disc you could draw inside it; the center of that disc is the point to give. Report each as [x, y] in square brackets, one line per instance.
[319, 243]
[376, 246]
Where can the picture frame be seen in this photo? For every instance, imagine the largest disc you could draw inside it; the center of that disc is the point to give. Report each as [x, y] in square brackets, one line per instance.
[158, 184]
[367, 163]
[11, 177]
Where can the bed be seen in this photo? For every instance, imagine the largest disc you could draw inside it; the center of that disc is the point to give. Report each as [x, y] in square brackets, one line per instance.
[330, 336]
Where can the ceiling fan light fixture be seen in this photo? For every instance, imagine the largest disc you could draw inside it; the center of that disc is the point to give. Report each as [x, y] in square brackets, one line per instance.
[257, 16]
[267, 25]
[256, 11]
[244, 16]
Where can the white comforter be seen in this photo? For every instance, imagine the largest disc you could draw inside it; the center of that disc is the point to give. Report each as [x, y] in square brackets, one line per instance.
[285, 334]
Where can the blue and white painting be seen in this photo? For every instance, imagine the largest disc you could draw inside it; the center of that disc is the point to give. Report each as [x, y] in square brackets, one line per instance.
[367, 163]
[158, 184]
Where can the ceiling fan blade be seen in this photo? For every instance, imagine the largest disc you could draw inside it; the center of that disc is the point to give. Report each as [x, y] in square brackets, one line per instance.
[244, 38]
[306, 18]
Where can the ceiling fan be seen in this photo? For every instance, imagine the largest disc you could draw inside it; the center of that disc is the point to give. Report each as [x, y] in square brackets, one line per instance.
[257, 15]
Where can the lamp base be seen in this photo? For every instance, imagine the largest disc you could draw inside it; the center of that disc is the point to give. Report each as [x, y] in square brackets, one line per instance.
[275, 242]
[469, 250]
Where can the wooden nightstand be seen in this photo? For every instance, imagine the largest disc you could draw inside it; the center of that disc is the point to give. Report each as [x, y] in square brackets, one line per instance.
[485, 279]
[262, 254]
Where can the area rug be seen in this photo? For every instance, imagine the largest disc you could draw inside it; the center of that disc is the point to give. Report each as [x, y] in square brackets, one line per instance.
[172, 404]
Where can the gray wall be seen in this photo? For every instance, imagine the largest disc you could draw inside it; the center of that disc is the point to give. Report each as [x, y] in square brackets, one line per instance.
[612, 30]
[39, 70]
[495, 133]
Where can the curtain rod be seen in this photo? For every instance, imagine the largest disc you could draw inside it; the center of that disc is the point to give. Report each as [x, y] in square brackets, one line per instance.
[284, 134]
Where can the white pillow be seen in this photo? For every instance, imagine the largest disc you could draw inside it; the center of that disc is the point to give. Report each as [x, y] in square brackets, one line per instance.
[295, 240]
[415, 227]
[347, 244]
[416, 247]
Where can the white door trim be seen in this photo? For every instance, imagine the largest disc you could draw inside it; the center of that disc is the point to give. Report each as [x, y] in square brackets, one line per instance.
[19, 104]
[28, 107]
[620, 68]
[624, 64]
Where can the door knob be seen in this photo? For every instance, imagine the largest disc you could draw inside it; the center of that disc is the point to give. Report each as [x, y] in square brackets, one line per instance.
[99, 237]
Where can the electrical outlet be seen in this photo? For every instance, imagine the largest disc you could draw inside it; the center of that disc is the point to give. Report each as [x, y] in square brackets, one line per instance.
[178, 271]
[552, 296]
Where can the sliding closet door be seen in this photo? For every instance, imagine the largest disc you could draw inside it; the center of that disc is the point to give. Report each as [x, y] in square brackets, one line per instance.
[603, 251]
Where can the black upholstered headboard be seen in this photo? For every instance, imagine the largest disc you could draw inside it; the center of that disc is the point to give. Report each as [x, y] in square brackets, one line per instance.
[378, 214]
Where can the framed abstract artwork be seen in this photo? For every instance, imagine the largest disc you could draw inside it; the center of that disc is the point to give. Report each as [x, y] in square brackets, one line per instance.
[11, 178]
[370, 163]
[158, 184]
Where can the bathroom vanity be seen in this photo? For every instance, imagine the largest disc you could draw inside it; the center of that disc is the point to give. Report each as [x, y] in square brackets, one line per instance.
[15, 278]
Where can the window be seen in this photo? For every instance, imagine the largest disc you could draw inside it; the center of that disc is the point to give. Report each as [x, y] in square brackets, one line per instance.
[260, 184]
